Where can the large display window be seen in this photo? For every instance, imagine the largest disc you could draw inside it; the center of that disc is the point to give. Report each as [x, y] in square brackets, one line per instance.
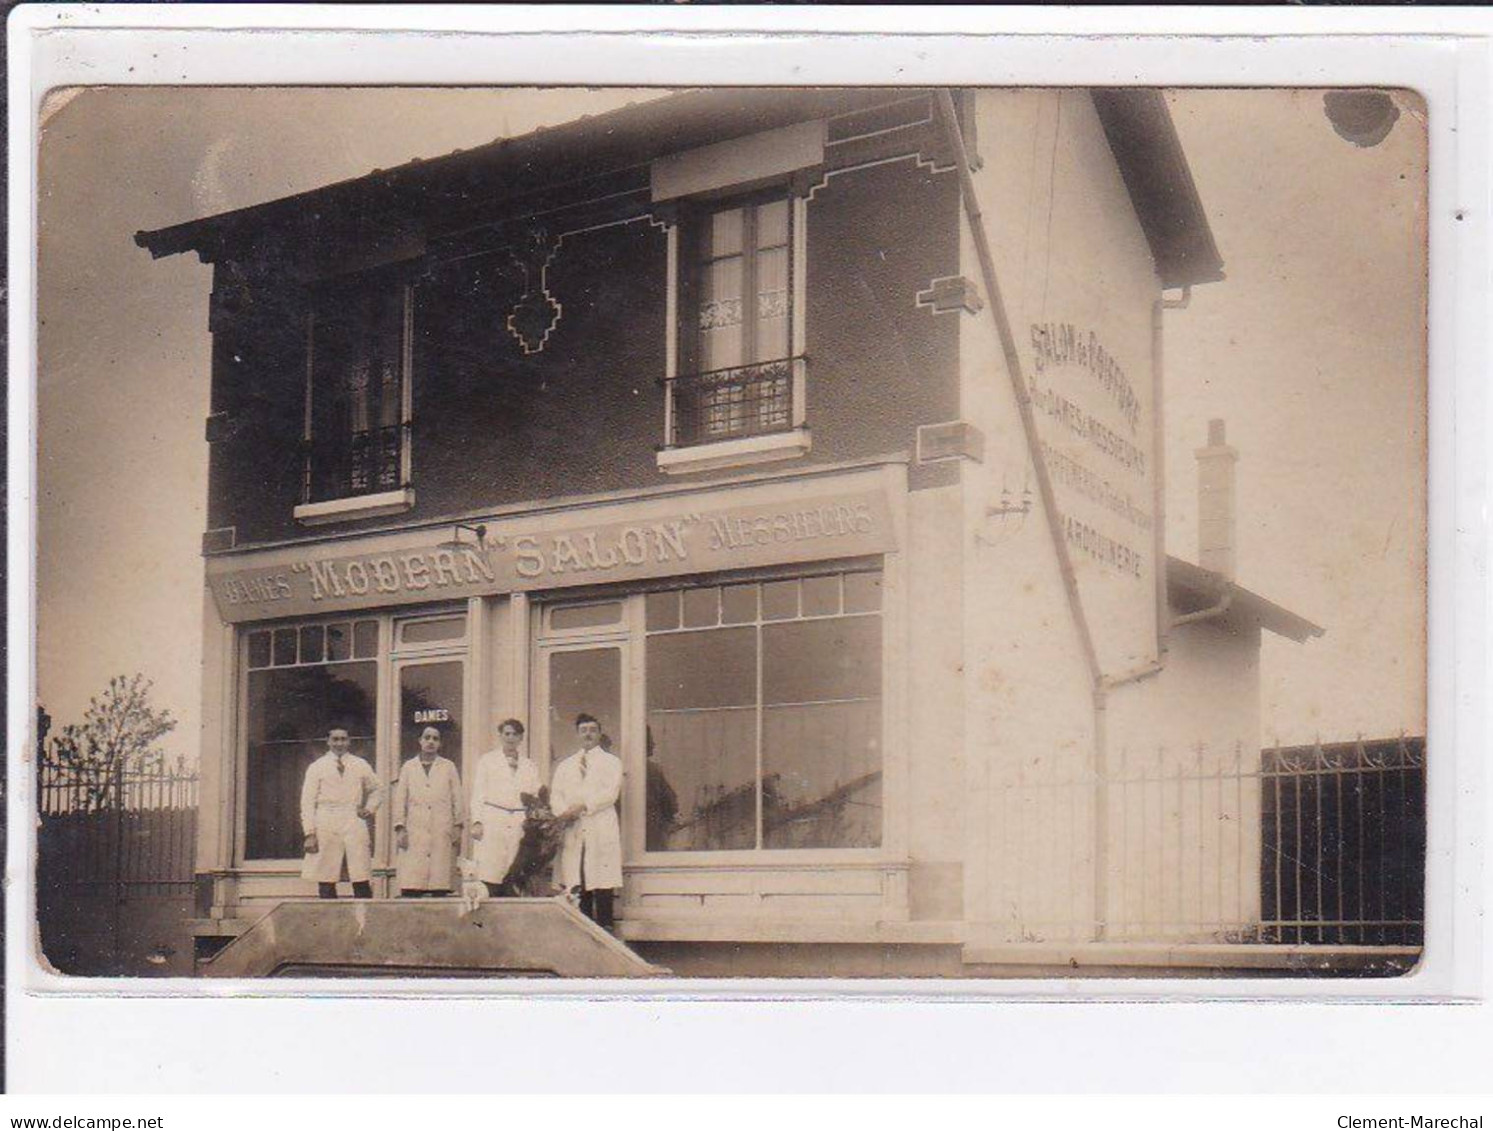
[764, 715]
[300, 680]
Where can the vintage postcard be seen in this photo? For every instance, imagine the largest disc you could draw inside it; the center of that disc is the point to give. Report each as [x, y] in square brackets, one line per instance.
[939, 532]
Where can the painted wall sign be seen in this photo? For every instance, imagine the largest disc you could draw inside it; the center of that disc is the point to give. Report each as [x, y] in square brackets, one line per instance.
[535, 554]
[1096, 439]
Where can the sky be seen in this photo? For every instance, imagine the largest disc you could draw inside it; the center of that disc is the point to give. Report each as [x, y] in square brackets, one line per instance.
[1312, 350]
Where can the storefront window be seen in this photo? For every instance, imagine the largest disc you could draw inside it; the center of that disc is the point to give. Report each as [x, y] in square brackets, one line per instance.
[764, 715]
[302, 681]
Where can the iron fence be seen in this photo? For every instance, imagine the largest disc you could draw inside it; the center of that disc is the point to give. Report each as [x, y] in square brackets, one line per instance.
[1323, 844]
[1344, 843]
[114, 872]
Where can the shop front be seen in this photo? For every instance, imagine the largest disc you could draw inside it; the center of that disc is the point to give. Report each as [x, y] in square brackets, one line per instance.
[737, 642]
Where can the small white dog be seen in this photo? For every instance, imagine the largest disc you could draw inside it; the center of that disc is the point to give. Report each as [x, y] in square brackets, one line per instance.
[473, 890]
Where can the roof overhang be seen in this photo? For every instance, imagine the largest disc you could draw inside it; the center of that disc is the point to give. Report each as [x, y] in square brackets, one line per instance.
[1136, 123]
[1191, 587]
[1146, 147]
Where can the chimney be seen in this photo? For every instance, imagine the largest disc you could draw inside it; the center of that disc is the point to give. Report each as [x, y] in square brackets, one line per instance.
[1216, 502]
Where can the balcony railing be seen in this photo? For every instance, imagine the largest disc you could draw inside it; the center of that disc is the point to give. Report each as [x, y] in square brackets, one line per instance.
[725, 404]
[363, 463]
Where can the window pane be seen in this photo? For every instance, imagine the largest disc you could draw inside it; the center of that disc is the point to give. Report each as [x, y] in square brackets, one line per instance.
[810, 661]
[772, 305]
[698, 670]
[585, 616]
[723, 234]
[365, 638]
[663, 611]
[284, 646]
[431, 631]
[720, 315]
[339, 642]
[357, 402]
[779, 600]
[702, 741]
[430, 695]
[701, 608]
[821, 776]
[821, 596]
[590, 681]
[772, 224]
[738, 604]
[862, 592]
[259, 649]
[312, 636]
[290, 711]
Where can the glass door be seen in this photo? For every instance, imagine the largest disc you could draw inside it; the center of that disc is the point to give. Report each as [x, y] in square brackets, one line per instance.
[428, 692]
[580, 679]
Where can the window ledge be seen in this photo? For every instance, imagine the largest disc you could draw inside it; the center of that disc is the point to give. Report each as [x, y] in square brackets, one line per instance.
[732, 453]
[358, 506]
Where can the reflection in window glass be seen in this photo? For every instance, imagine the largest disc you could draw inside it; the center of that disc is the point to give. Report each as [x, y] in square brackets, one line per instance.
[565, 617]
[289, 713]
[799, 698]
[702, 736]
[821, 775]
[432, 631]
[311, 644]
[339, 642]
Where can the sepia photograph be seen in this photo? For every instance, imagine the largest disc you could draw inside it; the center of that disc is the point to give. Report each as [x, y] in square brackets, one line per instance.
[812, 532]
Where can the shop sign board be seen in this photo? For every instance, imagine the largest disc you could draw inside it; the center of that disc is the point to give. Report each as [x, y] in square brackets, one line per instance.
[546, 553]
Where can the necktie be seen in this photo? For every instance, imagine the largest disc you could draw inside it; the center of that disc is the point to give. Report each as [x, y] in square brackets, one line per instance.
[583, 767]
[339, 767]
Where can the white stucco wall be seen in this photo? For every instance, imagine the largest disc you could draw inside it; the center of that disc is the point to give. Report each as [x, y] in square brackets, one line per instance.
[1183, 834]
[1068, 249]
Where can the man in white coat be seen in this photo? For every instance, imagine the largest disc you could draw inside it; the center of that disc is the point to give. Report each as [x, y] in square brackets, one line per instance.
[340, 792]
[427, 820]
[503, 776]
[584, 794]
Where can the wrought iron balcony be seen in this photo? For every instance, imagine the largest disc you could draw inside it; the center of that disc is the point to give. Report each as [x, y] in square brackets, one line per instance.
[725, 404]
[362, 463]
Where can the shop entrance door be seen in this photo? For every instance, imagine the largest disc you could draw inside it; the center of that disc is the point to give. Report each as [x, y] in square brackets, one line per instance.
[579, 678]
[428, 692]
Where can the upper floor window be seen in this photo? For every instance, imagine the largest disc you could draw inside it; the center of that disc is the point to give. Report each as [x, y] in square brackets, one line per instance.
[357, 451]
[738, 375]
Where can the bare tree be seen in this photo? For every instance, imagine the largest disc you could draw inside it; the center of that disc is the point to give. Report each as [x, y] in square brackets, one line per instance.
[118, 733]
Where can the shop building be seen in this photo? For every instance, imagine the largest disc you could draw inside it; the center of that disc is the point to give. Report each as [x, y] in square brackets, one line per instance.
[809, 439]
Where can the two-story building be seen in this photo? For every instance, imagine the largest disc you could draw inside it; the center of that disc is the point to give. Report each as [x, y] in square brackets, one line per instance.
[810, 439]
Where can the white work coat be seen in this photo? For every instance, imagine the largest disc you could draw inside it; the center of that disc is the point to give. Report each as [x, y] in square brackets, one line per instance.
[497, 804]
[592, 778]
[428, 807]
[329, 808]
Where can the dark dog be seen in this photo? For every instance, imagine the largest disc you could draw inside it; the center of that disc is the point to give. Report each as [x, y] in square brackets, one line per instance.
[543, 832]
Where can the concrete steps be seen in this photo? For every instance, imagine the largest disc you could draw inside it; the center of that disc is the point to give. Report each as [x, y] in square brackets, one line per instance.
[426, 938]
